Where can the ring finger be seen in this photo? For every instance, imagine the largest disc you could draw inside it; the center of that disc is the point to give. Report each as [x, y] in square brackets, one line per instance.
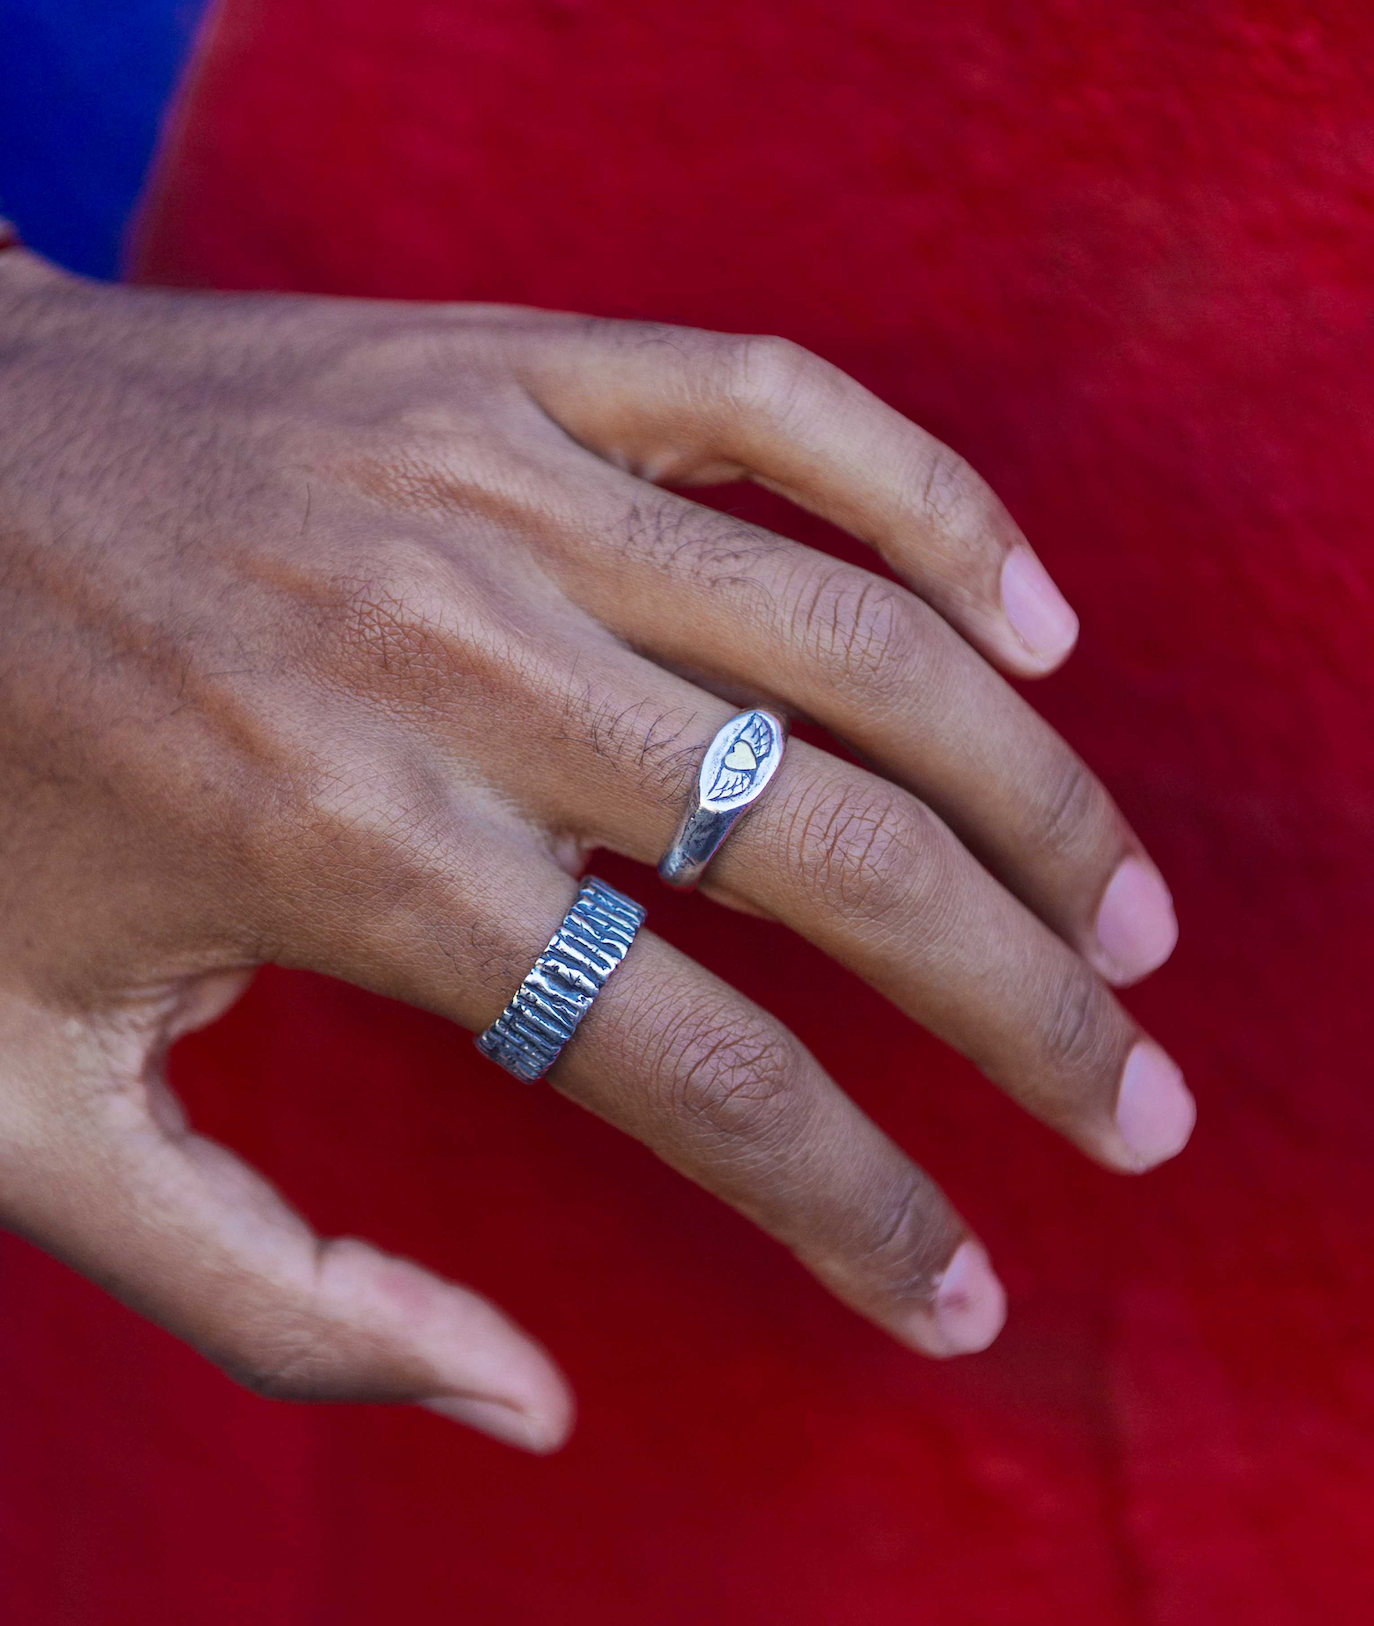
[714, 1085]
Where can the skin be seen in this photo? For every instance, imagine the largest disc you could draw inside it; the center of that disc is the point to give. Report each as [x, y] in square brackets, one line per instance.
[337, 634]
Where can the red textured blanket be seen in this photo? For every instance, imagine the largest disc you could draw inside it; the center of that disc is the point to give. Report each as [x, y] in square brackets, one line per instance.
[1120, 256]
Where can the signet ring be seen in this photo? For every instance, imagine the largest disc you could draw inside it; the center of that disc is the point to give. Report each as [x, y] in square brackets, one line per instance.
[736, 770]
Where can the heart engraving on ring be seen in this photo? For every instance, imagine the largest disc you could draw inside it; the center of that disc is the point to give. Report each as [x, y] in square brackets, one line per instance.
[740, 760]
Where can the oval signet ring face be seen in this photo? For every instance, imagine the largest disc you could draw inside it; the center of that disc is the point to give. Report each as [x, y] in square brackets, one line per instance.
[738, 765]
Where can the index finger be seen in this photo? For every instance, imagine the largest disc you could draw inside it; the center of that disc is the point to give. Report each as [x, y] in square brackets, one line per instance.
[682, 407]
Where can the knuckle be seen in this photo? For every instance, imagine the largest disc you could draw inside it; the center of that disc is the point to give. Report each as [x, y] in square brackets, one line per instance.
[945, 484]
[1078, 1036]
[910, 1238]
[333, 822]
[945, 491]
[1073, 807]
[442, 460]
[870, 850]
[862, 631]
[764, 374]
[732, 1078]
[403, 625]
[308, 1345]
[390, 612]
[402, 362]
[375, 810]
[289, 1362]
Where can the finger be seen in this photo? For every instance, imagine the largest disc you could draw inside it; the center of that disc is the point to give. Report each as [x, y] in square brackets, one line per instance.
[874, 878]
[725, 1094]
[683, 407]
[716, 1087]
[98, 1168]
[870, 875]
[763, 616]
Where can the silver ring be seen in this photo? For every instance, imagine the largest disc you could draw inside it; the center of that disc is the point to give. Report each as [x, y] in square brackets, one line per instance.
[558, 992]
[735, 772]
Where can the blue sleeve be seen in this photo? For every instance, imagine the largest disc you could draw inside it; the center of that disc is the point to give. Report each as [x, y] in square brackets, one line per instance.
[83, 86]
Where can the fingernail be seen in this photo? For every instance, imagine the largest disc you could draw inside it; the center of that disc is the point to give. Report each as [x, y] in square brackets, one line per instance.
[1038, 612]
[1136, 926]
[506, 1423]
[1154, 1111]
[970, 1306]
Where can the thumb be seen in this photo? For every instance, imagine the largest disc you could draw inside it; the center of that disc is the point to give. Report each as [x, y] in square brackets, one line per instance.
[98, 1167]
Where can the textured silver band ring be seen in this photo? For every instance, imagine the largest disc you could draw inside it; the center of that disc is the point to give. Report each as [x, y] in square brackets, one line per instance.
[738, 765]
[558, 992]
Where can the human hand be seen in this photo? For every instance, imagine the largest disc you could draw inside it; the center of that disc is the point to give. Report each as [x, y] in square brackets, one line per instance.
[337, 633]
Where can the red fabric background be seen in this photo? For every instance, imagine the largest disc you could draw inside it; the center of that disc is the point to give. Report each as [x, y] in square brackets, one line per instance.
[1120, 256]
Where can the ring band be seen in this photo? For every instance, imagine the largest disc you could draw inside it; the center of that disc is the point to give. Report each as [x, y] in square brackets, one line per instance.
[562, 983]
[739, 763]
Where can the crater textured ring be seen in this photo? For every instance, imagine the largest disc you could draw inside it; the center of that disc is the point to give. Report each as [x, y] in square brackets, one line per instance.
[558, 991]
[735, 772]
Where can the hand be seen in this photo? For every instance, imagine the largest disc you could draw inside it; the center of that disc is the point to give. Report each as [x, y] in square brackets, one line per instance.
[337, 633]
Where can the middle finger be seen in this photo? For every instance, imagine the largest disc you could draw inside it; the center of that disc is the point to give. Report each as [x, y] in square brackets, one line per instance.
[747, 609]
[872, 876]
